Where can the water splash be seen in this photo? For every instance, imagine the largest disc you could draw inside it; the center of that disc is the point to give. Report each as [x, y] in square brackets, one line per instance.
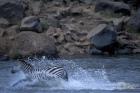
[80, 78]
[100, 83]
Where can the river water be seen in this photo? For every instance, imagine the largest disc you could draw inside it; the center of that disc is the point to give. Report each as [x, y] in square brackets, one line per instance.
[95, 74]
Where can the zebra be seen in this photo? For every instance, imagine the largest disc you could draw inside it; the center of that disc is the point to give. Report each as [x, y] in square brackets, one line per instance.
[41, 73]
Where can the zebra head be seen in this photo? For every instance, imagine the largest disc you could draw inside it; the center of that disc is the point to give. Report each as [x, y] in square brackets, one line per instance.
[23, 65]
[15, 69]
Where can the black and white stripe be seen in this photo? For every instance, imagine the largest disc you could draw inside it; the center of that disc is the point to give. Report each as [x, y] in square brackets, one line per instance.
[43, 73]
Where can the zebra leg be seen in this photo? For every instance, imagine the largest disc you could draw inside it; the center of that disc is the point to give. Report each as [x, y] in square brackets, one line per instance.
[19, 82]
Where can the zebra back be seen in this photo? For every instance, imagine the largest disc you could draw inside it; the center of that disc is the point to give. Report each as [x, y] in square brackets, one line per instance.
[58, 71]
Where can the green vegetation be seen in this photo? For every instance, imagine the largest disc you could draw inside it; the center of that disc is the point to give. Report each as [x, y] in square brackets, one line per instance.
[44, 24]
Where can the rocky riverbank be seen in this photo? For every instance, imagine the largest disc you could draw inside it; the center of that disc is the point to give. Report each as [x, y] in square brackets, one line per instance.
[68, 27]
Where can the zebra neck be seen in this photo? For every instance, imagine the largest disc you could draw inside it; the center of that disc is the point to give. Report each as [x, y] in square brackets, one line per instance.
[26, 67]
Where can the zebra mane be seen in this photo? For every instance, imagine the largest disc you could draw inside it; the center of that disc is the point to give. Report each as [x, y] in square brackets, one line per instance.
[24, 64]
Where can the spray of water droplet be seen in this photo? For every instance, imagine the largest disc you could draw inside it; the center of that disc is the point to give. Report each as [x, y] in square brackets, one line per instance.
[80, 78]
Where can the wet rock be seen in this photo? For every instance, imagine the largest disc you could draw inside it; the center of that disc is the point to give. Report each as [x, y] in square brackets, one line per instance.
[12, 10]
[30, 43]
[104, 38]
[31, 23]
[113, 7]
[134, 23]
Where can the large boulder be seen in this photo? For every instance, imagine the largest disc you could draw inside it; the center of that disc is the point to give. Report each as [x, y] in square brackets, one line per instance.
[134, 3]
[134, 22]
[30, 43]
[104, 38]
[12, 10]
[113, 7]
[31, 23]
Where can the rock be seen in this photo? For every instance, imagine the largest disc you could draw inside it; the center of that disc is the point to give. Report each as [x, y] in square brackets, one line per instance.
[134, 23]
[75, 37]
[30, 43]
[95, 51]
[120, 23]
[57, 34]
[136, 51]
[2, 32]
[31, 23]
[36, 7]
[133, 3]
[72, 49]
[88, 1]
[4, 45]
[69, 11]
[113, 7]
[76, 11]
[11, 32]
[4, 58]
[124, 51]
[104, 38]
[44, 24]
[82, 44]
[68, 38]
[52, 21]
[4, 23]
[12, 10]
[62, 50]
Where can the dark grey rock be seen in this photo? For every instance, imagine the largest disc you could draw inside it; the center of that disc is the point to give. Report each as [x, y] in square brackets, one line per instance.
[104, 38]
[31, 23]
[124, 51]
[88, 1]
[95, 51]
[4, 58]
[134, 22]
[114, 7]
[52, 21]
[133, 3]
[4, 23]
[12, 10]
